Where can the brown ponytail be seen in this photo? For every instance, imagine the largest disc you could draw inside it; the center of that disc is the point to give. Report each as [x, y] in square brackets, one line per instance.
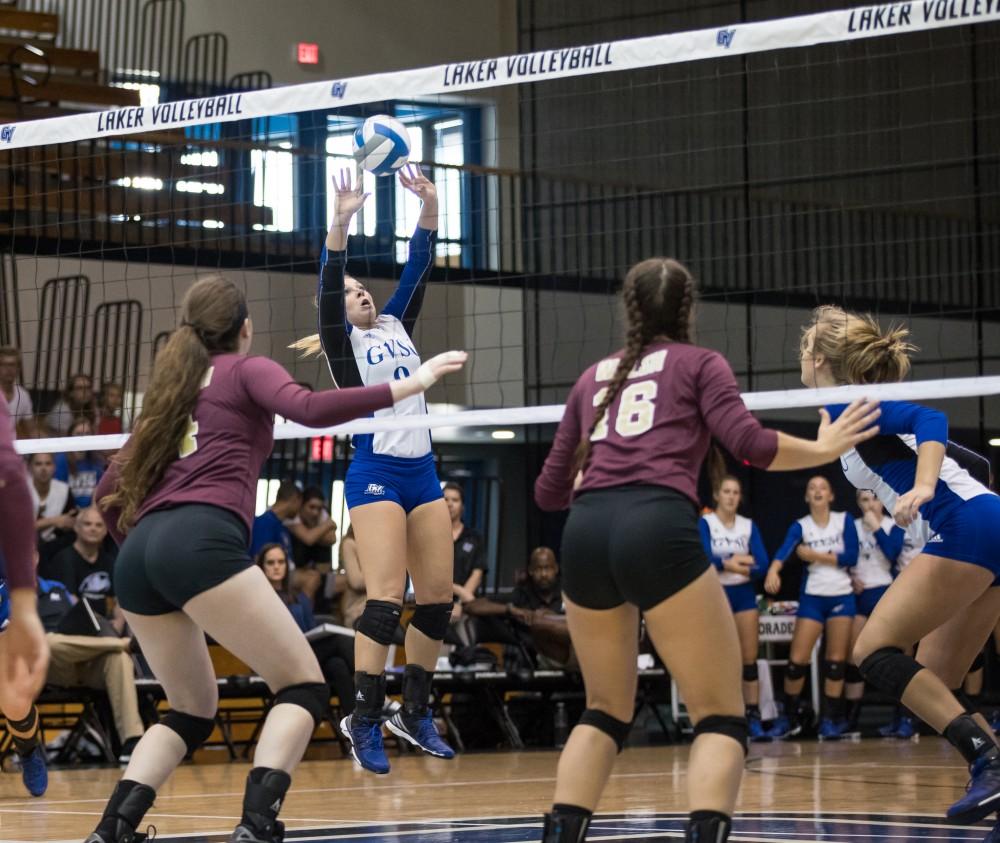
[857, 349]
[213, 312]
[659, 298]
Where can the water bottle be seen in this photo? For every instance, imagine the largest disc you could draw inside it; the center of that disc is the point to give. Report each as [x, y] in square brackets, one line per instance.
[560, 725]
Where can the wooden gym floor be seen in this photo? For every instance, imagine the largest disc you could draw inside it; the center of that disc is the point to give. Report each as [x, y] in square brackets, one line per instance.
[876, 790]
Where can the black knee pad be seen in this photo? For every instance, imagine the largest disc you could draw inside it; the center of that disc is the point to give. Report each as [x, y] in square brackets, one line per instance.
[314, 697]
[750, 672]
[853, 674]
[26, 726]
[732, 727]
[194, 731]
[379, 621]
[432, 619]
[977, 662]
[614, 728]
[835, 671]
[890, 670]
[794, 670]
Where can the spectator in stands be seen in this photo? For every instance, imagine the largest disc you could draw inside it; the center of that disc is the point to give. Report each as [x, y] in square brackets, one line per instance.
[352, 604]
[470, 557]
[110, 416]
[86, 567]
[55, 509]
[101, 662]
[80, 469]
[33, 427]
[314, 534]
[273, 561]
[16, 396]
[269, 527]
[77, 402]
[536, 604]
[335, 653]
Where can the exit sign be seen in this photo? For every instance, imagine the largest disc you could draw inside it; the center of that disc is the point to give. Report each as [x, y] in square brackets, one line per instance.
[307, 53]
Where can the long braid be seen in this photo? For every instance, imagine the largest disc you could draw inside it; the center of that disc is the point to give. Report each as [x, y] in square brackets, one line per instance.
[637, 337]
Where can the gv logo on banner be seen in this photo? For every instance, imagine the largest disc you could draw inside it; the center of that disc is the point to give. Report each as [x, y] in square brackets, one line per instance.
[7, 133]
[338, 90]
[724, 37]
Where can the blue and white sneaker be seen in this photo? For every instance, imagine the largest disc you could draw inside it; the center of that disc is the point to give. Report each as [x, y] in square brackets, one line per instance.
[889, 729]
[906, 729]
[365, 737]
[35, 772]
[829, 730]
[982, 793]
[420, 731]
[783, 727]
[756, 729]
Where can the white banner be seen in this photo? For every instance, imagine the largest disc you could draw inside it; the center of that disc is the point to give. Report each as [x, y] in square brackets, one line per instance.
[551, 413]
[740, 38]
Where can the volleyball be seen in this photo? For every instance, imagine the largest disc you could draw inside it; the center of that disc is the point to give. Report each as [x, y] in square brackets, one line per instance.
[381, 145]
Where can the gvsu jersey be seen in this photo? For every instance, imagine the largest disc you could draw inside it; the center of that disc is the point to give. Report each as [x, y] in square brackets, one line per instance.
[726, 542]
[385, 353]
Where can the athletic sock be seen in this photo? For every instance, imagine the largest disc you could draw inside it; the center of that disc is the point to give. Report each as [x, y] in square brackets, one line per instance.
[416, 691]
[753, 711]
[265, 792]
[968, 738]
[369, 695]
[127, 806]
[833, 707]
[30, 726]
[708, 827]
[566, 824]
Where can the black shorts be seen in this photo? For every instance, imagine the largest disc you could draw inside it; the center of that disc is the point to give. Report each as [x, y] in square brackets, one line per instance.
[172, 555]
[630, 544]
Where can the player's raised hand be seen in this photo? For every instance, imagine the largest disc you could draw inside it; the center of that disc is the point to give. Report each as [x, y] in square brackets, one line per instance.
[347, 197]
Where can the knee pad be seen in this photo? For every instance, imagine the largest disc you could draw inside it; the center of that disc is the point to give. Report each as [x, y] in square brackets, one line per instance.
[835, 671]
[794, 670]
[732, 727]
[890, 670]
[194, 731]
[379, 621]
[977, 662]
[614, 728]
[314, 697]
[26, 726]
[853, 674]
[750, 672]
[432, 619]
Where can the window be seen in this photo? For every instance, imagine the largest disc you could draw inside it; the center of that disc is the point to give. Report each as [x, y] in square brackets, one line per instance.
[339, 148]
[273, 171]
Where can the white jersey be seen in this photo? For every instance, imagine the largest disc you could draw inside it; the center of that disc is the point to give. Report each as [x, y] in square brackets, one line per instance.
[728, 542]
[826, 580]
[53, 505]
[874, 568]
[385, 353]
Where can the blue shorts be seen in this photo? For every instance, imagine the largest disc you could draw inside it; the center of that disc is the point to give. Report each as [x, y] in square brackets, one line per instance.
[741, 597]
[867, 599]
[407, 482]
[821, 609]
[971, 533]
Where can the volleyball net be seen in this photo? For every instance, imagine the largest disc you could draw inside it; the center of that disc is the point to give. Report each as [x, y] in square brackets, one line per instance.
[845, 157]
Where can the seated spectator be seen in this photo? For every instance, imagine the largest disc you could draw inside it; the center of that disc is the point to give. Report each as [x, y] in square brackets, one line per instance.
[335, 653]
[80, 469]
[352, 603]
[110, 418]
[85, 567]
[55, 508]
[16, 396]
[470, 555]
[314, 534]
[97, 662]
[77, 402]
[273, 561]
[535, 605]
[269, 527]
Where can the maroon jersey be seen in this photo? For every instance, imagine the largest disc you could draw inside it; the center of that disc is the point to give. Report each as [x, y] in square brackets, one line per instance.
[656, 432]
[232, 431]
[17, 514]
